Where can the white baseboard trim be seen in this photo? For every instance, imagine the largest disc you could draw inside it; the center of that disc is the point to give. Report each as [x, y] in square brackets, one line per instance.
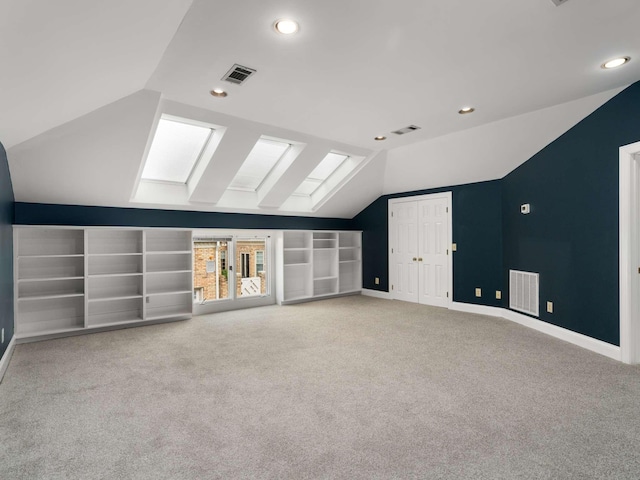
[598, 346]
[376, 294]
[4, 361]
[479, 309]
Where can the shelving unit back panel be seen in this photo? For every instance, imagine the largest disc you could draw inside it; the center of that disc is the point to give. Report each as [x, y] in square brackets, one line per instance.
[115, 311]
[166, 305]
[59, 287]
[298, 284]
[51, 314]
[115, 265]
[115, 241]
[350, 239]
[168, 240]
[106, 287]
[297, 256]
[53, 267]
[350, 277]
[50, 241]
[294, 239]
[325, 263]
[169, 282]
[168, 262]
[326, 286]
[349, 255]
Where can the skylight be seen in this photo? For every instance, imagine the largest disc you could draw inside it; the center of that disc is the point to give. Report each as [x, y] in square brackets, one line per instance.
[323, 170]
[260, 161]
[175, 150]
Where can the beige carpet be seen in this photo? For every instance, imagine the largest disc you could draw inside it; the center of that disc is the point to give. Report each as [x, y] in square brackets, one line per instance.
[353, 388]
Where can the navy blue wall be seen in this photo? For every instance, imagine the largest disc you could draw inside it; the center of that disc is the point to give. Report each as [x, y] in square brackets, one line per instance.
[51, 214]
[571, 235]
[6, 251]
[477, 230]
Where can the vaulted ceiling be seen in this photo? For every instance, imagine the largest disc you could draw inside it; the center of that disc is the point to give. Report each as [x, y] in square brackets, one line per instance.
[85, 84]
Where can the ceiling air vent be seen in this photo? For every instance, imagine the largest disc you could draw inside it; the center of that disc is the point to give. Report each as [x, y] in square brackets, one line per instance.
[409, 129]
[559, 2]
[238, 74]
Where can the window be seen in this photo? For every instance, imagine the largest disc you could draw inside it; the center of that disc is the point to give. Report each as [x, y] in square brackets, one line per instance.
[260, 161]
[198, 295]
[244, 259]
[223, 260]
[259, 261]
[323, 170]
[211, 266]
[175, 149]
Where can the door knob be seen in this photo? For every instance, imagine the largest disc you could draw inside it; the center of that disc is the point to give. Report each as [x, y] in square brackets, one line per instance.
[420, 259]
[414, 259]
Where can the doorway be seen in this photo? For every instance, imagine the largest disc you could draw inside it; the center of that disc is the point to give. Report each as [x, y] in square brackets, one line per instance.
[630, 253]
[420, 261]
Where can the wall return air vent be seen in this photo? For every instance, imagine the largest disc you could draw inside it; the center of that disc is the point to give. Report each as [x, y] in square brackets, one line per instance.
[238, 74]
[523, 292]
[409, 129]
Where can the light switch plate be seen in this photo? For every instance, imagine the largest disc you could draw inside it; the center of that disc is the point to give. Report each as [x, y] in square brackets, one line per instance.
[478, 292]
[454, 247]
[377, 281]
[550, 307]
[498, 294]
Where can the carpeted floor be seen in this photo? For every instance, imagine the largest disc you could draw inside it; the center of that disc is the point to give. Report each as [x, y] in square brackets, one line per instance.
[353, 388]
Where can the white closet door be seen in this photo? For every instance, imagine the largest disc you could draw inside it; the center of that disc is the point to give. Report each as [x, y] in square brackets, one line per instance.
[433, 278]
[404, 227]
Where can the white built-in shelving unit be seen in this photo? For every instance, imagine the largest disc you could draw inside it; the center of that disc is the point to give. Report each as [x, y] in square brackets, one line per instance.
[317, 264]
[70, 280]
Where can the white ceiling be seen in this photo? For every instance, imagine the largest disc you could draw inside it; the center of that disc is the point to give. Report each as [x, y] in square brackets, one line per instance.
[355, 70]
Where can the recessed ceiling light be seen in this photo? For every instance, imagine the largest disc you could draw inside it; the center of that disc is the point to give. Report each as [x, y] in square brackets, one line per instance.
[380, 137]
[218, 92]
[615, 62]
[465, 110]
[286, 26]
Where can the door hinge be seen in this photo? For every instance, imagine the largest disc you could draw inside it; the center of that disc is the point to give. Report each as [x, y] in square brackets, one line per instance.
[392, 252]
[447, 209]
[391, 287]
[447, 251]
[447, 294]
[392, 214]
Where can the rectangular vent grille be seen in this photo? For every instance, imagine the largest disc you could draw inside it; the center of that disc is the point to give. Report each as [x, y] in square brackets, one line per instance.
[238, 74]
[523, 292]
[409, 129]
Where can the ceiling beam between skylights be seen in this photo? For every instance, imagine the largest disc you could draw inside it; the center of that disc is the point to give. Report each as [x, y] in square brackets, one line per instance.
[233, 149]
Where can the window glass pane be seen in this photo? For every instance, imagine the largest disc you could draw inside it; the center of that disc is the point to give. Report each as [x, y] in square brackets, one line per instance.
[175, 149]
[210, 276]
[327, 166]
[263, 157]
[307, 187]
[253, 281]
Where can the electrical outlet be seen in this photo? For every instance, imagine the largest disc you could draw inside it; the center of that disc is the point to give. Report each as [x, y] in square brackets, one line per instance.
[454, 247]
[550, 307]
[377, 281]
[478, 292]
[498, 294]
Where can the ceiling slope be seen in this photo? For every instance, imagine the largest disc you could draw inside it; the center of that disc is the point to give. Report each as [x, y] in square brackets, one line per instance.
[65, 58]
[486, 152]
[92, 160]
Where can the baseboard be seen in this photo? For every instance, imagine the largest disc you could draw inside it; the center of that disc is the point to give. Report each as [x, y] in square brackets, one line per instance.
[598, 346]
[376, 294]
[6, 358]
[479, 309]
[570, 336]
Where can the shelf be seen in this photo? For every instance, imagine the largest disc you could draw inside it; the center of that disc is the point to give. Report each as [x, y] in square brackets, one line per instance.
[114, 323]
[170, 252]
[33, 268]
[108, 275]
[114, 241]
[168, 271]
[168, 241]
[297, 264]
[41, 242]
[169, 292]
[324, 278]
[51, 256]
[114, 254]
[48, 279]
[96, 321]
[48, 297]
[109, 299]
[296, 249]
[36, 330]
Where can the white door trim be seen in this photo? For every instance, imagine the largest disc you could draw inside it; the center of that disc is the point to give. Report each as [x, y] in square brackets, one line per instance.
[448, 196]
[629, 253]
